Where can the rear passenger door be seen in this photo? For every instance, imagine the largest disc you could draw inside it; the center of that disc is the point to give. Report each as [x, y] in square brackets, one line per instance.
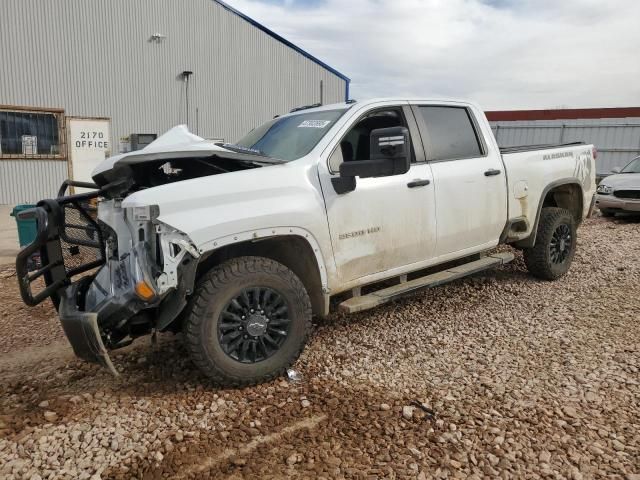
[469, 180]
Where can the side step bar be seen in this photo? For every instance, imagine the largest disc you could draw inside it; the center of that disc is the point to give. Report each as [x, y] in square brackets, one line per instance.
[365, 302]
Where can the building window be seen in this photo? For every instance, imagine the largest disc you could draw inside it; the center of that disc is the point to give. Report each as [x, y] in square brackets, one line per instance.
[30, 134]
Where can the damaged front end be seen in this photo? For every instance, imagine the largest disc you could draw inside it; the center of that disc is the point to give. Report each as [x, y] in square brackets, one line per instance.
[113, 273]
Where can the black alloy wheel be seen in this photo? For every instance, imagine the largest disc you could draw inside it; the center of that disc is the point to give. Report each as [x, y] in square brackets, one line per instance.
[560, 245]
[555, 246]
[247, 321]
[254, 324]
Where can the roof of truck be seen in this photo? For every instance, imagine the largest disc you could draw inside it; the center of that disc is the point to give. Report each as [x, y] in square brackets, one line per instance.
[372, 101]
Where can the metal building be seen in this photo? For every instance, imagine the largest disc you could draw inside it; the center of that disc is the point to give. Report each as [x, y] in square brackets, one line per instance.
[145, 66]
[614, 131]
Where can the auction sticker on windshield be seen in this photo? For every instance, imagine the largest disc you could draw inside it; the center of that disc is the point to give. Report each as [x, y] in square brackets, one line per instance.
[314, 124]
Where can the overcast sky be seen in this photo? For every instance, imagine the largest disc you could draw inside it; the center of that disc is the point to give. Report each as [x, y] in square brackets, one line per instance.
[504, 54]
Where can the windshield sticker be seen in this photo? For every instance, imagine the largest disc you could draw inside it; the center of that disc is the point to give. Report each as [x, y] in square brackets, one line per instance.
[314, 124]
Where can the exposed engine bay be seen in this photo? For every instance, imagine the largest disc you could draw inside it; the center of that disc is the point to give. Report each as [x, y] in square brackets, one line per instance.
[148, 171]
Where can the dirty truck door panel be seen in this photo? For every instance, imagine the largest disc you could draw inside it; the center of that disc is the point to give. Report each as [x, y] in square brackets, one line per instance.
[469, 179]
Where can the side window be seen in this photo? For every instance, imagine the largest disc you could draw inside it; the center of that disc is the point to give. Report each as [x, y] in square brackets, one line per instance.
[335, 160]
[451, 133]
[354, 146]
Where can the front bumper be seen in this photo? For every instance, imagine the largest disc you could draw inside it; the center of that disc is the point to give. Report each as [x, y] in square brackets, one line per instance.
[610, 202]
[100, 271]
[81, 328]
[77, 276]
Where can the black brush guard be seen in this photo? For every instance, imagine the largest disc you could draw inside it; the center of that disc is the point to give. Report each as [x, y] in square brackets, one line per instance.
[70, 244]
[69, 241]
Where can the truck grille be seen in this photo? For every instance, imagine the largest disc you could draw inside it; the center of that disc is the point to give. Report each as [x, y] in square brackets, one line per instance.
[80, 236]
[627, 194]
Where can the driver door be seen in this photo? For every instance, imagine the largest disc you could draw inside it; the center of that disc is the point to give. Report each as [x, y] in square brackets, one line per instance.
[387, 222]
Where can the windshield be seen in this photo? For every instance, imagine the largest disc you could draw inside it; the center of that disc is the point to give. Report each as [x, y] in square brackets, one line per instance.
[291, 137]
[632, 167]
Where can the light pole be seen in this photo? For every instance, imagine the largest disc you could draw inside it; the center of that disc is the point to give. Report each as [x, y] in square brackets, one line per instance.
[185, 76]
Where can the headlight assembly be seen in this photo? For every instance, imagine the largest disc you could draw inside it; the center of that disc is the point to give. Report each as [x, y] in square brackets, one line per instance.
[605, 190]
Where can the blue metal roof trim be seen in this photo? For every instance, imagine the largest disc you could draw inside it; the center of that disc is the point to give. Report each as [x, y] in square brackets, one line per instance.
[281, 39]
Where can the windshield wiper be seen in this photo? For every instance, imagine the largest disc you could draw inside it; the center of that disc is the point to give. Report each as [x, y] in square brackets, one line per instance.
[264, 158]
[241, 149]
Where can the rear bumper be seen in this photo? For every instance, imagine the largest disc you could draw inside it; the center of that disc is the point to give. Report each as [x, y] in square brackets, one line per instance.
[81, 328]
[620, 204]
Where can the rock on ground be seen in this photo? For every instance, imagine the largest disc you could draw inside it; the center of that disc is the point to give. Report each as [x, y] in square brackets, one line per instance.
[523, 378]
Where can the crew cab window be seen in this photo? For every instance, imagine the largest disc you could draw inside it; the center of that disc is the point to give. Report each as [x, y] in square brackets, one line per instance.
[451, 133]
[355, 145]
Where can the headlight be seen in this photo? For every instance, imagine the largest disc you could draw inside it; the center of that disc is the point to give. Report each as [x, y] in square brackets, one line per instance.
[605, 190]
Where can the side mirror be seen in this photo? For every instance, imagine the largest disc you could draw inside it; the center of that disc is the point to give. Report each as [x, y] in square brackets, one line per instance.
[616, 170]
[389, 152]
[392, 143]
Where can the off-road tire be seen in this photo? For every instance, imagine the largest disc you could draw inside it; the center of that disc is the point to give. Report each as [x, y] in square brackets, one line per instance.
[215, 289]
[538, 258]
[607, 213]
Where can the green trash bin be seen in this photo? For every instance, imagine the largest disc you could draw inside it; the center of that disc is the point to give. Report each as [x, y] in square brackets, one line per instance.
[27, 227]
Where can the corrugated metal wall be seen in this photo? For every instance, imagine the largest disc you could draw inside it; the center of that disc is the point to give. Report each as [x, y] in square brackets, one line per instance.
[95, 58]
[27, 181]
[617, 139]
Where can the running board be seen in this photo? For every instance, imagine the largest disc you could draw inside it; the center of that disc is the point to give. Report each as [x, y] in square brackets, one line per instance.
[365, 302]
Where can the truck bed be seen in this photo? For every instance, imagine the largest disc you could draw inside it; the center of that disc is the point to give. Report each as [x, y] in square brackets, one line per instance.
[528, 148]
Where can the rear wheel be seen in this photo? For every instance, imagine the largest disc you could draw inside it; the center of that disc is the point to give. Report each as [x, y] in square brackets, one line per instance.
[555, 247]
[249, 321]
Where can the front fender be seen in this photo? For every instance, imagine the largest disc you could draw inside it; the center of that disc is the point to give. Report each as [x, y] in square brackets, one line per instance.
[245, 205]
[274, 232]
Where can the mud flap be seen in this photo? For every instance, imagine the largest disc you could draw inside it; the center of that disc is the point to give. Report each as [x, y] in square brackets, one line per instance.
[82, 331]
[592, 206]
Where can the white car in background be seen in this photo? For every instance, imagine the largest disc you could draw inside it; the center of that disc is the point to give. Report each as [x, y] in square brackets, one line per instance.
[620, 192]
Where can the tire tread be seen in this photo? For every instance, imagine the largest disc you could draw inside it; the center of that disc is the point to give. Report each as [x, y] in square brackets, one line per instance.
[536, 257]
[216, 279]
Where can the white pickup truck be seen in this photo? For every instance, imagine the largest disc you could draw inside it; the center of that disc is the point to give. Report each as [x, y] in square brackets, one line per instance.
[239, 245]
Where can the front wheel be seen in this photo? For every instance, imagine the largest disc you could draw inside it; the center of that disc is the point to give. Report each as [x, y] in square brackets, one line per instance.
[555, 247]
[249, 320]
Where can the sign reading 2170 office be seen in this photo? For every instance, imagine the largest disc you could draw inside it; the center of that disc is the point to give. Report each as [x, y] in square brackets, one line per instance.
[89, 144]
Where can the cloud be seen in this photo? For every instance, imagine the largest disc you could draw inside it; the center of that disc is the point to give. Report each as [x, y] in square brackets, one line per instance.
[504, 54]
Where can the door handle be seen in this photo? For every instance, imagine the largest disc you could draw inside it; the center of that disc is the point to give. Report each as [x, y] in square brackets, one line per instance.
[492, 172]
[418, 183]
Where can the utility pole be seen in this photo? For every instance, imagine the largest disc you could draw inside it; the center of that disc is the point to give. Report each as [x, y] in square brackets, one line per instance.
[185, 76]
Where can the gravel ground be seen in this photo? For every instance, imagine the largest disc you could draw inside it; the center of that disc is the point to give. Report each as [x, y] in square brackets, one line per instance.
[498, 375]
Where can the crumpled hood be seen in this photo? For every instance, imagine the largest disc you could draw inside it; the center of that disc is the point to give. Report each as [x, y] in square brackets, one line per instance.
[178, 139]
[623, 180]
